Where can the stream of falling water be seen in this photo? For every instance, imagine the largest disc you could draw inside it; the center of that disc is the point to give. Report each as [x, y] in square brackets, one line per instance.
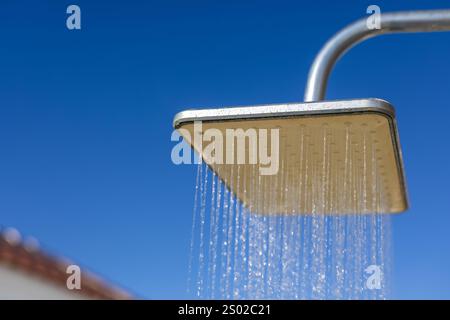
[239, 254]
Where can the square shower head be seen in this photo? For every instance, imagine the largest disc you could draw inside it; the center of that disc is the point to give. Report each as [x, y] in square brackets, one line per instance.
[330, 157]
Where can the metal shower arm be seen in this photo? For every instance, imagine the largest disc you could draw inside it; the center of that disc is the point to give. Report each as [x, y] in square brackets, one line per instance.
[408, 21]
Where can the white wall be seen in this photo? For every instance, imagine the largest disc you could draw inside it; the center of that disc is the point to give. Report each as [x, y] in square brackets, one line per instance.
[16, 284]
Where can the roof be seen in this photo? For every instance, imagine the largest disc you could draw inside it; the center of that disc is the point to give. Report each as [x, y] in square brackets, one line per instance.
[26, 256]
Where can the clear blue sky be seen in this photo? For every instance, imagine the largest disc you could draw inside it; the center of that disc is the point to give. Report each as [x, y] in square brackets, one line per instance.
[85, 122]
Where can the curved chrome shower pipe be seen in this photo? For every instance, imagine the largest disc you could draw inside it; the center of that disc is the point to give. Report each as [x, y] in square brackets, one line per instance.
[396, 22]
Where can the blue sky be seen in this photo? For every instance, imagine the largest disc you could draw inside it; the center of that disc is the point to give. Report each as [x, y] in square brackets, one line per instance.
[85, 122]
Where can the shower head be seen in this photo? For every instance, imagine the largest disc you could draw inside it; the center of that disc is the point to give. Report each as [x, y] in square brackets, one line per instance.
[332, 140]
[333, 157]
